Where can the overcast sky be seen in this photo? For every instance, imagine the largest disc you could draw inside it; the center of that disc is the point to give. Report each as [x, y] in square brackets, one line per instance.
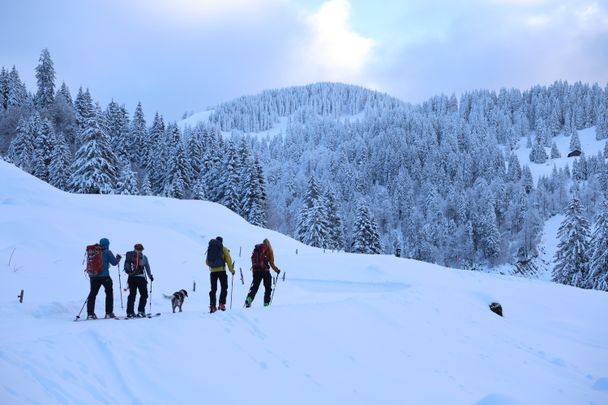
[179, 55]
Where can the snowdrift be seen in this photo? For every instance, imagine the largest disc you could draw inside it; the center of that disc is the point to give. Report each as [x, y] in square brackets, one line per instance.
[343, 328]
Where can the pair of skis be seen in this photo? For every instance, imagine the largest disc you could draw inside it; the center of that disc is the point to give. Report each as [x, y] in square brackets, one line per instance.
[118, 318]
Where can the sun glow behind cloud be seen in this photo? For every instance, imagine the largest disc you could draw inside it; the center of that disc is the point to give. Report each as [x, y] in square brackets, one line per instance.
[332, 50]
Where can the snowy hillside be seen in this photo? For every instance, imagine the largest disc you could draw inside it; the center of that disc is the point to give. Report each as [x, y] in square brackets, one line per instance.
[343, 328]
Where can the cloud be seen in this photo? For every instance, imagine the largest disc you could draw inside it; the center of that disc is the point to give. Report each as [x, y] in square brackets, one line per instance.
[330, 49]
[503, 43]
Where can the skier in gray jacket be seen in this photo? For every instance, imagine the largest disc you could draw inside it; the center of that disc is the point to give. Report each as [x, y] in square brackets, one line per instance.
[135, 264]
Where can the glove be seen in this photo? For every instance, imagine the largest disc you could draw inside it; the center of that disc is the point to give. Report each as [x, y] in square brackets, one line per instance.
[232, 271]
[151, 278]
[118, 257]
[278, 271]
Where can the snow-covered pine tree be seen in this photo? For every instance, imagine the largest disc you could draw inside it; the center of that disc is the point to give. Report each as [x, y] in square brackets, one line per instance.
[3, 88]
[21, 148]
[335, 231]
[232, 194]
[61, 159]
[157, 153]
[17, 95]
[199, 189]
[527, 179]
[84, 112]
[45, 142]
[554, 151]
[538, 153]
[575, 143]
[316, 229]
[177, 178]
[146, 186]
[601, 130]
[365, 235]
[138, 134]
[64, 91]
[94, 167]
[513, 169]
[313, 192]
[194, 152]
[127, 181]
[572, 255]
[598, 269]
[117, 119]
[45, 76]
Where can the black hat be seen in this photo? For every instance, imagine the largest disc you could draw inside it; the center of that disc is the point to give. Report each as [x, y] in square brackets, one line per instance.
[219, 239]
[138, 246]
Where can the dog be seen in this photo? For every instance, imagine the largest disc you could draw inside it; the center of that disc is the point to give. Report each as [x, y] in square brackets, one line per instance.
[177, 299]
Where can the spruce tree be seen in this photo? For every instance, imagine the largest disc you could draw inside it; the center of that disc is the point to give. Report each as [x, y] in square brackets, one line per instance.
[3, 88]
[138, 133]
[572, 255]
[232, 194]
[313, 192]
[575, 143]
[21, 148]
[335, 231]
[365, 235]
[514, 168]
[94, 167]
[84, 112]
[127, 182]
[598, 269]
[538, 153]
[554, 151]
[177, 179]
[61, 159]
[146, 186]
[17, 92]
[45, 143]
[45, 76]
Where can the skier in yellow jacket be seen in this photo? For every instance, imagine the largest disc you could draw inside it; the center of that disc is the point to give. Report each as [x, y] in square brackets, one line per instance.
[217, 257]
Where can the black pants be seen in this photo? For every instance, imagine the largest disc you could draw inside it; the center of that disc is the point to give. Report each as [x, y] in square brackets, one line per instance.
[223, 277]
[258, 276]
[135, 284]
[96, 283]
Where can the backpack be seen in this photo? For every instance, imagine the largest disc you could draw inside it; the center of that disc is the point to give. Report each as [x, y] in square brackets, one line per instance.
[215, 254]
[94, 255]
[259, 261]
[134, 263]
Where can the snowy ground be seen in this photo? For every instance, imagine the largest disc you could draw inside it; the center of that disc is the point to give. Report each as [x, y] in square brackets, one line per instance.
[343, 328]
[589, 145]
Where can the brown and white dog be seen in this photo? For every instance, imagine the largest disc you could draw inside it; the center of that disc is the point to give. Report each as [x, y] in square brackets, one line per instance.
[177, 299]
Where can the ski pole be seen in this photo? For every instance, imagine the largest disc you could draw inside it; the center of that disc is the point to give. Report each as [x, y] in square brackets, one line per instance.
[274, 289]
[120, 285]
[231, 288]
[150, 295]
[85, 303]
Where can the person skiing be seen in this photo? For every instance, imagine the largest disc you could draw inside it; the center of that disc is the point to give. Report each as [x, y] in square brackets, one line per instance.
[135, 264]
[262, 259]
[103, 278]
[218, 256]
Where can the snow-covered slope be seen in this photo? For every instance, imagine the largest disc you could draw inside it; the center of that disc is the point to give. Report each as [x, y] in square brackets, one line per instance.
[343, 328]
[589, 145]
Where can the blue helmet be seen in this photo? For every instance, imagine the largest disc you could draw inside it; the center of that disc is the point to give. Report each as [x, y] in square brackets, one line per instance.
[104, 242]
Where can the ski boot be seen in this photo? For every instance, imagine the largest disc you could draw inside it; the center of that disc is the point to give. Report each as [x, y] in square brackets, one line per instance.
[91, 316]
[212, 309]
[110, 315]
[222, 307]
[248, 302]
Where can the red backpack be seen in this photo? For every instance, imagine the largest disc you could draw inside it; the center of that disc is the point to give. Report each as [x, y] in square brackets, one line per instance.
[94, 256]
[259, 261]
